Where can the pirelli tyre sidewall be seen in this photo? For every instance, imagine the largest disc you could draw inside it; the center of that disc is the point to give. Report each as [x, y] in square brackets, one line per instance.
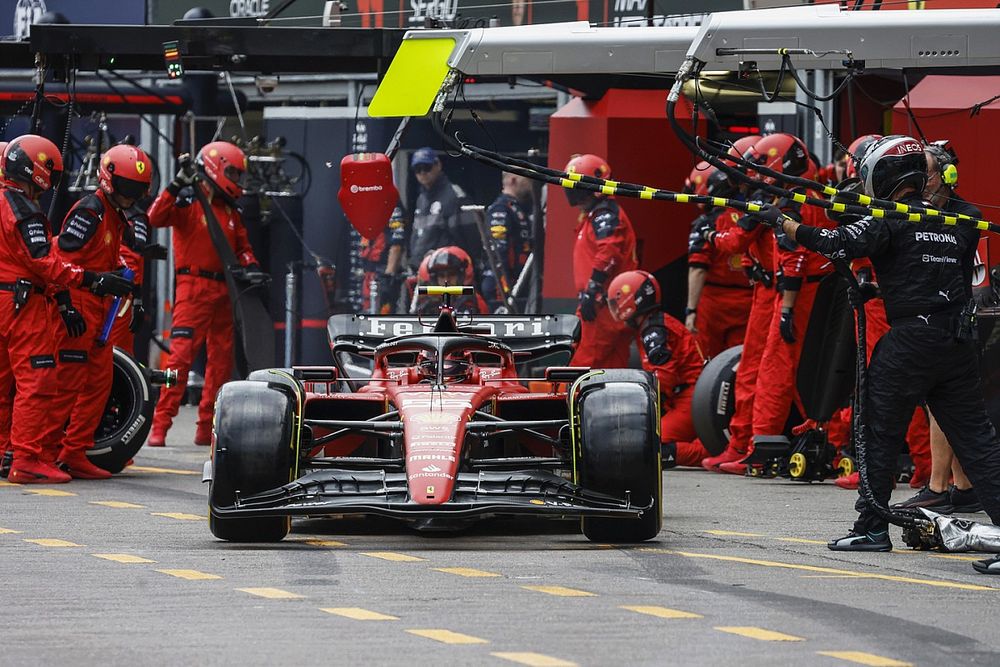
[127, 416]
[254, 451]
[619, 450]
[714, 400]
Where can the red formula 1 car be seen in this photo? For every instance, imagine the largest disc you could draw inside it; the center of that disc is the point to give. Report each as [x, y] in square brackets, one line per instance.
[440, 432]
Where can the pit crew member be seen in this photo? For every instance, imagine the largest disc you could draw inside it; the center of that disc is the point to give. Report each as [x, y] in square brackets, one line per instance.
[448, 266]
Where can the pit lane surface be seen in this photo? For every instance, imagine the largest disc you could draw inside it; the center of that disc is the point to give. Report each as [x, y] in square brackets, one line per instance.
[125, 571]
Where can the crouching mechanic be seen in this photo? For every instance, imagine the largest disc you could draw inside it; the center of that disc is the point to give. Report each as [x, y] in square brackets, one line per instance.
[668, 350]
[605, 247]
[91, 237]
[924, 271]
[28, 272]
[203, 314]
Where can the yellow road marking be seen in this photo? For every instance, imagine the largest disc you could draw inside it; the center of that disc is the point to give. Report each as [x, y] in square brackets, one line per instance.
[54, 493]
[827, 576]
[825, 570]
[732, 533]
[534, 659]
[325, 543]
[466, 572]
[759, 633]
[272, 593]
[447, 636]
[123, 558]
[180, 516]
[2, 483]
[9, 531]
[800, 540]
[956, 557]
[193, 575]
[166, 471]
[393, 556]
[862, 658]
[661, 612]
[359, 614]
[47, 542]
[561, 591]
[117, 504]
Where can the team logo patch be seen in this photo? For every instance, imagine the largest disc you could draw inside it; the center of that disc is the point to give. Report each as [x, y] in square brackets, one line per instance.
[772, 152]
[140, 167]
[213, 152]
[42, 157]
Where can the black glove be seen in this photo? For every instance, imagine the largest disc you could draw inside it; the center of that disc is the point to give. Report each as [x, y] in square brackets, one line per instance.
[701, 234]
[865, 292]
[251, 274]
[655, 339]
[592, 298]
[103, 284]
[771, 216]
[185, 172]
[76, 326]
[138, 315]
[786, 328]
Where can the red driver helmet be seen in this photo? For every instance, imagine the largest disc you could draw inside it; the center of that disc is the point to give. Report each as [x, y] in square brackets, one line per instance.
[783, 153]
[449, 259]
[224, 165]
[34, 160]
[633, 293]
[125, 170]
[856, 151]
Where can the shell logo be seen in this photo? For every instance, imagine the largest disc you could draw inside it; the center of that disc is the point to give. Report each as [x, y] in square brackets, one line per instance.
[698, 179]
[213, 152]
[140, 167]
[107, 160]
[735, 263]
[626, 289]
[772, 152]
[42, 157]
[107, 238]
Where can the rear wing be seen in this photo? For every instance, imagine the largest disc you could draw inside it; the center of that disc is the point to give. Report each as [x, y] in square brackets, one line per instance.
[534, 335]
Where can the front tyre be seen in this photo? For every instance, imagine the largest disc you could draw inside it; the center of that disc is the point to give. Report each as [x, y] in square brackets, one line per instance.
[254, 451]
[619, 451]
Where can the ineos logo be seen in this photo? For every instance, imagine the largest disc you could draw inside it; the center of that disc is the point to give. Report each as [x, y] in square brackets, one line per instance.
[355, 189]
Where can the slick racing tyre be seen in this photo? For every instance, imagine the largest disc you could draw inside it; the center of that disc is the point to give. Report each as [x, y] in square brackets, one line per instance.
[127, 416]
[619, 451]
[254, 451]
[714, 400]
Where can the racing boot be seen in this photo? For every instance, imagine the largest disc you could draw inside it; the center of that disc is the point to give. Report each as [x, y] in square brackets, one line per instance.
[714, 463]
[203, 435]
[849, 482]
[78, 466]
[156, 439]
[30, 470]
[861, 542]
[734, 468]
[988, 566]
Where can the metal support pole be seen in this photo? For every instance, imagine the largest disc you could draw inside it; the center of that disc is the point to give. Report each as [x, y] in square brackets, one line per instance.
[291, 315]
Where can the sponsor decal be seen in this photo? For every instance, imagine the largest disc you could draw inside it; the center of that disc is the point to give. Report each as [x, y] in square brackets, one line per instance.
[132, 429]
[432, 444]
[355, 189]
[431, 468]
[435, 418]
[426, 475]
[383, 327]
[433, 457]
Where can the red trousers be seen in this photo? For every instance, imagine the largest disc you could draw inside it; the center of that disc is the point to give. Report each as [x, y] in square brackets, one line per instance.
[604, 343]
[202, 315]
[779, 364]
[86, 370]
[722, 318]
[28, 362]
[761, 312]
[676, 426]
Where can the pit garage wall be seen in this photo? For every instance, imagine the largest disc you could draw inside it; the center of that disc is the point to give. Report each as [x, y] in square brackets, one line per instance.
[629, 128]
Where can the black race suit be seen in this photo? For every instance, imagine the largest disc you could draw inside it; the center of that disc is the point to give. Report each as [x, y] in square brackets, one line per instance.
[924, 271]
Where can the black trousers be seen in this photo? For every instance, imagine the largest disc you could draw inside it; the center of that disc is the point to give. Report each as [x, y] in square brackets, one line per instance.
[911, 364]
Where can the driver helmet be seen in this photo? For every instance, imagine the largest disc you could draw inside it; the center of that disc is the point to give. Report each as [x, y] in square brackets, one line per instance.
[225, 165]
[456, 367]
[126, 171]
[632, 294]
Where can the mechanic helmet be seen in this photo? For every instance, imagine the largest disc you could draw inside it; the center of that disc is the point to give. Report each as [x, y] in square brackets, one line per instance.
[33, 160]
[856, 151]
[125, 171]
[586, 164]
[783, 153]
[449, 262]
[741, 146]
[891, 163]
[697, 182]
[225, 165]
[946, 161]
[633, 293]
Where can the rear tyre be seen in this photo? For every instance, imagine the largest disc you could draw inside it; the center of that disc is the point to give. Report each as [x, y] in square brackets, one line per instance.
[714, 400]
[127, 416]
[619, 451]
[254, 451]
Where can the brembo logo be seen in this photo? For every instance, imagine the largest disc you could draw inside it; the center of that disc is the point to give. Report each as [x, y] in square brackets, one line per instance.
[355, 189]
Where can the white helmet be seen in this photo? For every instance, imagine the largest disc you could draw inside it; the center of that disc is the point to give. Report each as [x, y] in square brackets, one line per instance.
[892, 162]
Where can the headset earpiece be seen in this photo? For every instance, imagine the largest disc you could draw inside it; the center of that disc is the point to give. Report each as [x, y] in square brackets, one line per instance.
[949, 174]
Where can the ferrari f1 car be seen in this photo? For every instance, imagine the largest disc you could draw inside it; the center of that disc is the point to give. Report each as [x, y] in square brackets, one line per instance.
[440, 432]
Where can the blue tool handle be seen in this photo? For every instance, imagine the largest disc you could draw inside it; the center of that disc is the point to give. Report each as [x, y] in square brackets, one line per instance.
[109, 320]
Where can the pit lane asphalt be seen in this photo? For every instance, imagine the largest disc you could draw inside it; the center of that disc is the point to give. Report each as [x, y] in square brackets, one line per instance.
[125, 571]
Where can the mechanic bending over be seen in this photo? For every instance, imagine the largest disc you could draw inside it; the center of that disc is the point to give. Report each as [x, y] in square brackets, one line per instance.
[29, 274]
[668, 351]
[604, 247]
[925, 274]
[202, 311]
[91, 237]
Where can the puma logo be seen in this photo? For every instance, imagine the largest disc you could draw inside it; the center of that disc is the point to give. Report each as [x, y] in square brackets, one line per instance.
[945, 294]
[925, 318]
